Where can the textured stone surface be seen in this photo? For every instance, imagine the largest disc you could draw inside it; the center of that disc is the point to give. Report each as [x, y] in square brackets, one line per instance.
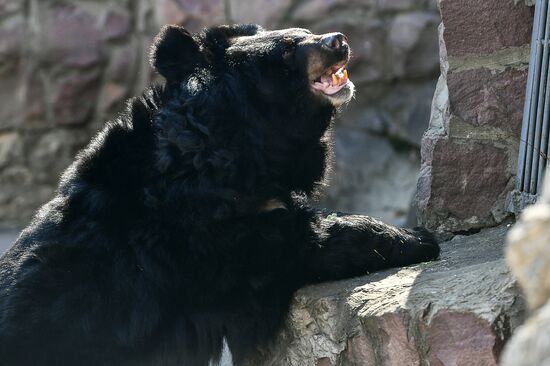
[75, 98]
[70, 35]
[462, 184]
[193, 14]
[355, 186]
[73, 63]
[469, 152]
[487, 98]
[528, 251]
[528, 255]
[467, 178]
[483, 27]
[268, 13]
[10, 148]
[457, 311]
[451, 334]
[53, 151]
[414, 43]
[116, 25]
[396, 4]
[530, 344]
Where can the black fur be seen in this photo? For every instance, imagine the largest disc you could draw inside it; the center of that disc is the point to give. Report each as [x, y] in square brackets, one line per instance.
[158, 243]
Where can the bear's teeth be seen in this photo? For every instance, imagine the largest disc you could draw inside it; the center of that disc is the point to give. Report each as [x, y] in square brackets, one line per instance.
[339, 77]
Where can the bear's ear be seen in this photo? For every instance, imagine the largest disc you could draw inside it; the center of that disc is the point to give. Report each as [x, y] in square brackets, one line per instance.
[174, 53]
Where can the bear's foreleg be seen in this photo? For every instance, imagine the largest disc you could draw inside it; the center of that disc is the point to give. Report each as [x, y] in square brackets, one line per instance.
[352, 245]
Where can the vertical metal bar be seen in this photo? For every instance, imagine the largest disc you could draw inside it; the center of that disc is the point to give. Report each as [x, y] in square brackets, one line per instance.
[540, 105]
[528, 96]
[544, 145]
[534, 99]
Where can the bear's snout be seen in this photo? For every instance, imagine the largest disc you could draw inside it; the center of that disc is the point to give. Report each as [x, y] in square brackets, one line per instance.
[335, 41]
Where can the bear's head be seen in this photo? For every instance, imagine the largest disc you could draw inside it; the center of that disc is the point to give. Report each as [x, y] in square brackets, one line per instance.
[282, 73]
[249, 107]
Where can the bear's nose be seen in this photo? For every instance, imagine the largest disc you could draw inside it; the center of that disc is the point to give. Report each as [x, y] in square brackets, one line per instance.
[334, 40]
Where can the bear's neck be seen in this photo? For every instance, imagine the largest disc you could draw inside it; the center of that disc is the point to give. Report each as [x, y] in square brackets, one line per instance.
[236, 154]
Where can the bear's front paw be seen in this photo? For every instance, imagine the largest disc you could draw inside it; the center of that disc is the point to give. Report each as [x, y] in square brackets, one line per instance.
[424, 245]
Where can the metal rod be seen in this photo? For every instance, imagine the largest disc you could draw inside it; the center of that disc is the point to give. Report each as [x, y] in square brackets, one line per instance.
[540, 106]
[543, 149]
[534, 100]
[528, 95]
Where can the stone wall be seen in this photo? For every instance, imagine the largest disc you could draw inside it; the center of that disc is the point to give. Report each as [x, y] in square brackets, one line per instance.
[469, 153]
[67, 66]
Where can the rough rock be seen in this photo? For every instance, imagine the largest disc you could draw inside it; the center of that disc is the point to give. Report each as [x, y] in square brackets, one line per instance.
[11, 113]
[121, 68]
[369, 63]
[11, 146]
[437, 129]
[312, 10]
[457, 311]
[111, 95]
[393, 5]
[33, 97]
[53, 151]
[414, 44]
[474, 27]
[116, 25]
[398, 115]
[527, 2]
[75, 97]
[528, 255]
[10, 6]
[194, 14]
[530, 344]
[12, 35]
[70, 35]
[378, 135]
[13, 203]
[467, 178]
[267, 13]
[356, 187]
[469, 152]
[483, 97]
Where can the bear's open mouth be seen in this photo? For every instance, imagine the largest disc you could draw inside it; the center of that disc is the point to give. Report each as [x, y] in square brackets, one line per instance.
[333, 80]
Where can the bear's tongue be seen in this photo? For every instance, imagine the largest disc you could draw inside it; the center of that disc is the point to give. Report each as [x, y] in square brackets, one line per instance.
[332, 82]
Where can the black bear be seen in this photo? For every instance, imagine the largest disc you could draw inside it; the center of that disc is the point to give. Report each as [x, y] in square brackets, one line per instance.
[185, 222]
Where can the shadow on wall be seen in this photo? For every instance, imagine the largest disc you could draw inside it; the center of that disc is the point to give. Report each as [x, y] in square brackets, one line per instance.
[67, 66]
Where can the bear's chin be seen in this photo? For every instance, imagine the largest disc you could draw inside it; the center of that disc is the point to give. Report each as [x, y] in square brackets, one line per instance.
[341, 97]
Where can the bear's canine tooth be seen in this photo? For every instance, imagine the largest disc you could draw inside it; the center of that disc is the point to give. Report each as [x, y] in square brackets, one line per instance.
[334, 80]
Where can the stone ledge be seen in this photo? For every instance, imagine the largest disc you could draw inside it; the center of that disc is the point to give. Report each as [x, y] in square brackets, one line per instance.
[498, 61]
[457, 311]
